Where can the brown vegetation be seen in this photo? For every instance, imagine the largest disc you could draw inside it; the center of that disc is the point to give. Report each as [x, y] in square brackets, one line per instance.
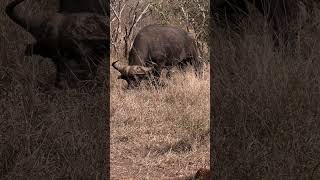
[265, 104]
[59, 134]
[45, 133]
[157, 133]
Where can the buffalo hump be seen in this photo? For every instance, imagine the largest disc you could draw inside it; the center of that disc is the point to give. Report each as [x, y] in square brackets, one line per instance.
[162, 45]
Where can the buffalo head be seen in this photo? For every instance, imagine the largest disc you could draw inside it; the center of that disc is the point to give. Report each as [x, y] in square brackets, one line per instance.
[132, 74]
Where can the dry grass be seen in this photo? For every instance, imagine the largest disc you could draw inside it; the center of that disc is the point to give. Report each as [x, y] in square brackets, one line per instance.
[45, 133]
[265, 105]
[60, 134]
[160, 133]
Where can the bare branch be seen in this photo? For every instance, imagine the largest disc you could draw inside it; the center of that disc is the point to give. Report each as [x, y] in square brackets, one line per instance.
[143, 12]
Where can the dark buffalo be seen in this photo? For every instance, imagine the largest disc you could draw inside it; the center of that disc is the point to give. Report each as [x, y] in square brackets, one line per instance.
[156, 48]
[76, 42]
[280, 13]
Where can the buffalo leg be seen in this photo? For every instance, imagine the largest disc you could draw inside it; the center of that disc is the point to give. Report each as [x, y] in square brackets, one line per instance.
[155, 79]
[169, 73]
[58, 75]
[33, 49]
[29, 50]
[198, 67]
[182, 66]
[61, 73]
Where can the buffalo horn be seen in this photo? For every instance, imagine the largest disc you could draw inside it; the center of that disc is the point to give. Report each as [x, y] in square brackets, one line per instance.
[119, 67]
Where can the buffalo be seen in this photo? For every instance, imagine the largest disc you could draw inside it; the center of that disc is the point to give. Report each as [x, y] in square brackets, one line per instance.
[158, 47]
[75, 42]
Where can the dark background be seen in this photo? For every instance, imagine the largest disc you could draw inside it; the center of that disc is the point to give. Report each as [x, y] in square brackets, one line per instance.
[265, 101]
[47, 133]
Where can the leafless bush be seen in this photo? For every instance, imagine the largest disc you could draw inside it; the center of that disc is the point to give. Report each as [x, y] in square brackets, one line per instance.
[193, 15]
[128, 16]
[125, 17]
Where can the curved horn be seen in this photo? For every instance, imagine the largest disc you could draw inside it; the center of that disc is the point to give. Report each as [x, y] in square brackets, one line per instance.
[32, 25]
[131, 70]
[119, 67]
[139, 70]
[10, 12]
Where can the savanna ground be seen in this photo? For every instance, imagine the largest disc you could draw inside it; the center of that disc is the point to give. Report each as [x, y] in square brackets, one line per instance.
[160, 133]
[265, 103]
[45, 133]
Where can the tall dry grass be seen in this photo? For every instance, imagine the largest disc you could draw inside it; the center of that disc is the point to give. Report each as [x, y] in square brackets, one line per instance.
[265, 104]
[159, 133]
[45, 133]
